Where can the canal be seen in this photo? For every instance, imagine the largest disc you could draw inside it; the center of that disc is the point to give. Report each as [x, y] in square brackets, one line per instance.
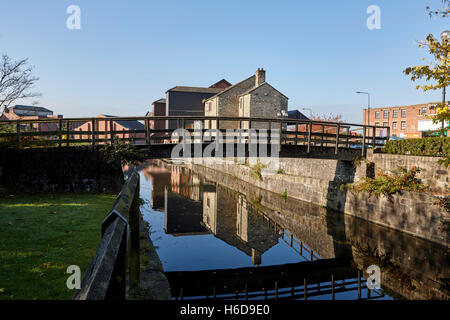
[220, 238]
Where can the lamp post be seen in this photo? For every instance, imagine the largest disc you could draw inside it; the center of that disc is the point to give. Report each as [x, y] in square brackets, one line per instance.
[444, 35]
[368, 105]
[310, 111]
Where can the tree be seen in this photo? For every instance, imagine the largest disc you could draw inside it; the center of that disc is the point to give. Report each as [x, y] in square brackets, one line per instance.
[16, 80]
[444, 12]
[326, 117]
[437, 71]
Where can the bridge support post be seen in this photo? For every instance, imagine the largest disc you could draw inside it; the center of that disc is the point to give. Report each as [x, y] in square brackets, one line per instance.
[93, 133]
[363, 144]
[338, 128]
[60, 133]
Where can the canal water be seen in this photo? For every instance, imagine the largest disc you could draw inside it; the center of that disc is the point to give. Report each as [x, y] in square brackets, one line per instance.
[207, 222]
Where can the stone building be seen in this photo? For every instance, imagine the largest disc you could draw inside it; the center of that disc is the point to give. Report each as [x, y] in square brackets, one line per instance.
[252, 97]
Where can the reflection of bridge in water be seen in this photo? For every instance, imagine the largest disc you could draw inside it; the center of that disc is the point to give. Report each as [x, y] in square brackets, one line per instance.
[334, 246]
[303, 280]
[228, 215]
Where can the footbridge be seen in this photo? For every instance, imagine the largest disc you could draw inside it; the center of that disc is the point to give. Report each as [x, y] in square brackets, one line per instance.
[291, 136]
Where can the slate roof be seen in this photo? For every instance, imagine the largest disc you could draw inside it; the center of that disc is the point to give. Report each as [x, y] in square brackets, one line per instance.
[129, 124]
[195, 89]
[262, 84]
[229, 88]
[163, 100]
[19, 107]
[295, 114]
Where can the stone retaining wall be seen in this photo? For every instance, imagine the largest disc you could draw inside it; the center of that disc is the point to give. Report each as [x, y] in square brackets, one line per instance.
[415, 213]
[68, 169]
[433, 174]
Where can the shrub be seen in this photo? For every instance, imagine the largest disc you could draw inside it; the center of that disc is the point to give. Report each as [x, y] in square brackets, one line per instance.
[383, 184]
[255, 171]
[120, 153]
[433, 146]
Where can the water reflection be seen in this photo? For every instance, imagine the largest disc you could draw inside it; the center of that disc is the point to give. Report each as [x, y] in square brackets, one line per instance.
[198, 223]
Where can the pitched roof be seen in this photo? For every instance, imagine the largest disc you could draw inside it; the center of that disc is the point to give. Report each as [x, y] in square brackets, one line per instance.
[295, 114]
[257, 87]
[221, 84]
[195, 89]
[30, 108]
[129, 124]
[163, 100]
[229, 88]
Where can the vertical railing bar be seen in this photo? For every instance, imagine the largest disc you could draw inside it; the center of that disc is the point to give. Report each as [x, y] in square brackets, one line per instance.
[93, 132]
[60, 133]
[332, 287]
[363, 146]
[338, 128]
[305, 289]
[359, 284]
[309, 137]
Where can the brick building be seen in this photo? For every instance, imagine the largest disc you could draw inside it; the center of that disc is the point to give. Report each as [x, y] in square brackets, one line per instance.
[23, 112]
[404, 121]
[126, 128]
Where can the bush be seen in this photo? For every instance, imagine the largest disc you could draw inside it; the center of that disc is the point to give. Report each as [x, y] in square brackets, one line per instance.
[383, 184]
[433, 146]
[120, 153]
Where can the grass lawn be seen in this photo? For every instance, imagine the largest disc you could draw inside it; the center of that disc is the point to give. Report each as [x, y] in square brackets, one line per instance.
[41, 235]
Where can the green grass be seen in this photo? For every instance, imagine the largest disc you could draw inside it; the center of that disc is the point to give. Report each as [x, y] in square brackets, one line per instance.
[41, 235]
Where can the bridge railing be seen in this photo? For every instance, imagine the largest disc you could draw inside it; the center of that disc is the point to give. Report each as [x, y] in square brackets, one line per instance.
[160, 129]
[106, 275]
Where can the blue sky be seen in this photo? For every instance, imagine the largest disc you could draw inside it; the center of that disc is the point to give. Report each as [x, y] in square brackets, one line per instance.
[128, 53]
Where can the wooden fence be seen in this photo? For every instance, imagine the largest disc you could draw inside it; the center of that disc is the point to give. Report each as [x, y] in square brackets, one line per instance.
[67, 132]
[106, 277]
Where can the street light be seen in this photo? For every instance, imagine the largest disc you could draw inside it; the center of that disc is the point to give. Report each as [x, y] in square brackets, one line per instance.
[368, 105]
[310, 111]
[445, 34]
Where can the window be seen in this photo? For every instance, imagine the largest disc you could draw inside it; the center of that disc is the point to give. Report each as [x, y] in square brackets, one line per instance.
[394, 125]
[403, 125]
[403, 113]
[385, 124]
[377, 123]
[395, 113]
[385, 114]
[424, 110]
[208, 108]
[377, 115]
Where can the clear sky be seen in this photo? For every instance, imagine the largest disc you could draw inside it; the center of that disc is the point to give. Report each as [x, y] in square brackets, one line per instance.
[128, 53]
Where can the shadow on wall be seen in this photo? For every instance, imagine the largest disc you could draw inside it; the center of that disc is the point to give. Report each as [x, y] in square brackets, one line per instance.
[336, 199]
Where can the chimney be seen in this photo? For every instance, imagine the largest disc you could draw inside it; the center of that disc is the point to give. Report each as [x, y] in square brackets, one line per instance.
[260, 76]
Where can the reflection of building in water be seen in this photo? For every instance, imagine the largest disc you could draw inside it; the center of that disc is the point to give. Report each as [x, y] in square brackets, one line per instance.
[185, 183]
[177, 192]
[182, 216]
[233, 222]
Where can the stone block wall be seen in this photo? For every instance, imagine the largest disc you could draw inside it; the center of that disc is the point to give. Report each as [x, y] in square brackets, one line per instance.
[418, 214]
[432, 174]
[68, 169]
